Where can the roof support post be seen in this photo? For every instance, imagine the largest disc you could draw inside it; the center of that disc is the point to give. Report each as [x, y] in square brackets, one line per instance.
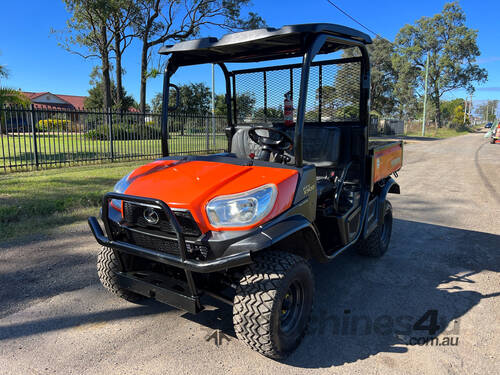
[169, 71]
[230, 125]
[313, 49]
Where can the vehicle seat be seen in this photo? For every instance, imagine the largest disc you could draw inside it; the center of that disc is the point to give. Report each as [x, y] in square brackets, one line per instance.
[321, 144]
[242, 145]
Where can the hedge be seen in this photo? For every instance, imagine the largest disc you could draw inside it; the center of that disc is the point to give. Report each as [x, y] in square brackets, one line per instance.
[124, 132]
[53, 124]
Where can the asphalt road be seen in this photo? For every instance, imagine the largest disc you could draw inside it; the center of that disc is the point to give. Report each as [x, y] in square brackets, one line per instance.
[444, 258]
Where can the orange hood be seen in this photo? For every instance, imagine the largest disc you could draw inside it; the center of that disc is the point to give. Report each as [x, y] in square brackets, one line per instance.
[191, 184]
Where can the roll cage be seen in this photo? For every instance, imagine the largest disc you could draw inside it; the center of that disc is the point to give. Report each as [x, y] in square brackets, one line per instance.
[306, 41]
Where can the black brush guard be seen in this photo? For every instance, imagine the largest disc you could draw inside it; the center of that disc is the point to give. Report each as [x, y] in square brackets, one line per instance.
[157, 286]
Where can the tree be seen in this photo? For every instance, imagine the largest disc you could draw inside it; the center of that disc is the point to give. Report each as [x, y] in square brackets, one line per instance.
[271, 114]
[194, 98]
[4, 73]
[407, 100]
[245, 103]
[95, 99]
[452, 50]
[450, 110]
[383, 75]
[159, 21]
[329, 96]
[88, 29]
[120, 24]
[488, 110]
[156, 102]
[458, 116]
[9, 96]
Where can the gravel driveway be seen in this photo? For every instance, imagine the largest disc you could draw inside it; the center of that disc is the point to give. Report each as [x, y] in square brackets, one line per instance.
[370, 316]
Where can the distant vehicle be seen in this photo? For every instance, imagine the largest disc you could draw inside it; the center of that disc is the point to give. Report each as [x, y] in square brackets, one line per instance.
[488, 125]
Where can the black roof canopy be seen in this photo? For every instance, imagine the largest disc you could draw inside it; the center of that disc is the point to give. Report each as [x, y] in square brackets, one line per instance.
[263, 44]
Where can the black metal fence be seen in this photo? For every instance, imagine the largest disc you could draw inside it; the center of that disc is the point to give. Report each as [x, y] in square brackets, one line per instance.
[43, 136]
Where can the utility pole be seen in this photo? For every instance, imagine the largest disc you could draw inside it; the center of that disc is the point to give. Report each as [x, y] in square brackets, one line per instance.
[470, 108]
[213, 106]
[425, 95]
[465, 108]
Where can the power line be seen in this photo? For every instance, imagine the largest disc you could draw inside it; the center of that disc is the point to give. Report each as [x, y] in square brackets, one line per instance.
[352, 18]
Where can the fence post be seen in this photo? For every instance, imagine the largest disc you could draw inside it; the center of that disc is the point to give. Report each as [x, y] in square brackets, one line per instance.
[110, 123]
[33, 135]
[214, 145]
[207, 130]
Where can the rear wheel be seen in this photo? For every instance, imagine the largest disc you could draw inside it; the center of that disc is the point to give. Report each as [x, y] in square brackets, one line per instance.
[273, 303]
[377, 242]
[107, 265]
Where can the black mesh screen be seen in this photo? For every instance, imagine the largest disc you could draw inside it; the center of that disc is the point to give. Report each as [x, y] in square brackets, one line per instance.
[333, 94]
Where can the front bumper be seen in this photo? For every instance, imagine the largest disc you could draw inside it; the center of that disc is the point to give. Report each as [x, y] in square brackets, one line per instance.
[181, 294]
[208, 266]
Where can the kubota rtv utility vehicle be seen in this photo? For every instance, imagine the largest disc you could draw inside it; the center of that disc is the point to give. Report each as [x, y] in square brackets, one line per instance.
[300, 181]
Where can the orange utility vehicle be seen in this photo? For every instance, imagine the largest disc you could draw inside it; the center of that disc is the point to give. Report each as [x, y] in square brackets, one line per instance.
[242, 226]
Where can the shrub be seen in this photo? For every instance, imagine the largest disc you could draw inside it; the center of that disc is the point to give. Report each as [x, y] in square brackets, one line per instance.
[53, 124]
[123, 132]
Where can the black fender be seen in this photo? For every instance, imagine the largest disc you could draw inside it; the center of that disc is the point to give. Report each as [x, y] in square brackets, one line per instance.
[375, 214]
[294, 234]
[390, 186]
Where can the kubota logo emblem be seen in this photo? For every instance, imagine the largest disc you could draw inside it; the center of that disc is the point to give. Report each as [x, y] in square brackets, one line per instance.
[151, 216]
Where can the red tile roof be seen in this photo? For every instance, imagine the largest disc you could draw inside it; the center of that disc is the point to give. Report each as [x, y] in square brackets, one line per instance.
[73, 101]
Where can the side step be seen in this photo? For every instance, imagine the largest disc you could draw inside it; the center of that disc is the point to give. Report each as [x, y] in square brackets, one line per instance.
[161, 288]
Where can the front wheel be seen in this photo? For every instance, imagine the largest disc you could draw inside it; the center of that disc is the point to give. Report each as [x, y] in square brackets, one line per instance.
[377, 242]
[273, 303]
[107, 266]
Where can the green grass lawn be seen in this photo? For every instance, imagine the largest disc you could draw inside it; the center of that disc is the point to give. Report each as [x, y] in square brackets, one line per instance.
[38, 201]
[18, 149]
[442, 132]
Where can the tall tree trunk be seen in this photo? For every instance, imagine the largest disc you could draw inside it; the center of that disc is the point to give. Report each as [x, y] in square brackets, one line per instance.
[144, 71]
[118, 73]
[437, 104]
[105, 69]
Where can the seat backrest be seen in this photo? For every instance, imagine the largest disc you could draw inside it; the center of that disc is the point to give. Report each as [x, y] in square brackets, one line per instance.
[242, 145]
[321, 144]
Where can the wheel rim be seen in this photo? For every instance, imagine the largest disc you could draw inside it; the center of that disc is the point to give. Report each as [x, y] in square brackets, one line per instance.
[292, 307]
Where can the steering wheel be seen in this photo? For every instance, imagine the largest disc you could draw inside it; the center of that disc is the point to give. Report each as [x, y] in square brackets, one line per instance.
[269, 144]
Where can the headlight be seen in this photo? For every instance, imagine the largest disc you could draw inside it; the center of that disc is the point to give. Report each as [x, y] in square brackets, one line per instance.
[242, 209]
[120, 187]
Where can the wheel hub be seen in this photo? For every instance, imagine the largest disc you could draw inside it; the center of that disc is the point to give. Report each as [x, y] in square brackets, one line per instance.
[291, 307]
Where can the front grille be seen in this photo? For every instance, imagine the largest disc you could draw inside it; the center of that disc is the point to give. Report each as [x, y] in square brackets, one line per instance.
[134, 216]
[153, 243]
[136, 230]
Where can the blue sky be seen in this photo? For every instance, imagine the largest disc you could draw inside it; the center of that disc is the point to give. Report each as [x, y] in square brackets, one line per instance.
[37, 63]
